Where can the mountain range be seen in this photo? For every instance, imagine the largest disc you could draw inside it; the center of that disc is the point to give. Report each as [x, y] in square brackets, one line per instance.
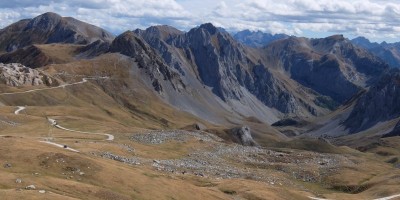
[288, 90]
[288, 77]
[257, 38]
[390, 52]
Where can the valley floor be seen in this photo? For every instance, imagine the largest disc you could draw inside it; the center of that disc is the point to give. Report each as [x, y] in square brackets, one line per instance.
[176, 164]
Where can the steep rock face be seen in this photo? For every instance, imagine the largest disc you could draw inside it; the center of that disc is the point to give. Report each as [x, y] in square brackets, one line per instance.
[331, 66]
[15, 74]
[257, 39]
[224, 65]
[380, 103]
[50, 28]
[131, 45]
[216, 57]
[158, 38]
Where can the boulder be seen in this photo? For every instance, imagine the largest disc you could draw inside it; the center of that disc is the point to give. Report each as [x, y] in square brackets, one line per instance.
[7, 165]
[30, 187]
[242, 135]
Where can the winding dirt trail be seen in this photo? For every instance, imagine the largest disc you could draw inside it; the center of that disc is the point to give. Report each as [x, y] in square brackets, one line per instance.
[84, 80]
[54, 123]
[383, 198]
[60, 145]
[389, 197]
[19, 109]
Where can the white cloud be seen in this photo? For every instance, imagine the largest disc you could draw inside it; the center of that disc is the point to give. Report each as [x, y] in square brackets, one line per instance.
[377, 19]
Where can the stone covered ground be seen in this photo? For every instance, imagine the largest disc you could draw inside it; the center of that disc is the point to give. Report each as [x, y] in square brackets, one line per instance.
[218, 159]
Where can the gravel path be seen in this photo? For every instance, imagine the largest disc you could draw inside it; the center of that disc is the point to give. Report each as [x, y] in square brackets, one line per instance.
[388, 198]
[383, 198]
[60, 145]
[84, 80]
[54, 123]
[19, 109]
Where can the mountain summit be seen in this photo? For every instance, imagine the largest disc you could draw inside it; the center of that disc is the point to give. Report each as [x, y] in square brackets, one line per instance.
[50, 28]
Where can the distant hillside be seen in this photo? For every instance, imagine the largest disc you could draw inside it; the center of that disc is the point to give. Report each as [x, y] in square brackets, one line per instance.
[257, 38]
[389, 52]
[50, 28]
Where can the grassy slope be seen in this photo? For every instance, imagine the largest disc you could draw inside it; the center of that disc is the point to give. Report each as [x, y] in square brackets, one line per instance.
[123, 105]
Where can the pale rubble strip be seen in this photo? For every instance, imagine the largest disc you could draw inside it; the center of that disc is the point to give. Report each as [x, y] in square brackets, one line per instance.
[213, 161]
[8, 122]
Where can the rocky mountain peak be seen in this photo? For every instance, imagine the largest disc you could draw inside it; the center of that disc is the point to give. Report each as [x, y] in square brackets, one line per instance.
[45, 22]
[209, 27]
[128, 43]
[338, 37]
[132, 45]
[50, 28]
[364, 42]
[361, 39]
[161, 32]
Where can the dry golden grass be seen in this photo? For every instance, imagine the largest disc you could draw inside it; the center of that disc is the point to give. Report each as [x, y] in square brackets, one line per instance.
[36, 163]
[92, 107]
[59, 53]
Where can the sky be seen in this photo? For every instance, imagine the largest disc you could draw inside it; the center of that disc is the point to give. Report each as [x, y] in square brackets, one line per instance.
[378, 20]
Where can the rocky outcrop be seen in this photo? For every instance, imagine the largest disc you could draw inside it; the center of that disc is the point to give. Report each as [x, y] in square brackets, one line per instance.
[226, 66]
[258, 38]
[380, 103]
[332, 66]
[50, 28]
[242, 135]
[158, 37]
[15, 74]
[131, 45]
[217, 58]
